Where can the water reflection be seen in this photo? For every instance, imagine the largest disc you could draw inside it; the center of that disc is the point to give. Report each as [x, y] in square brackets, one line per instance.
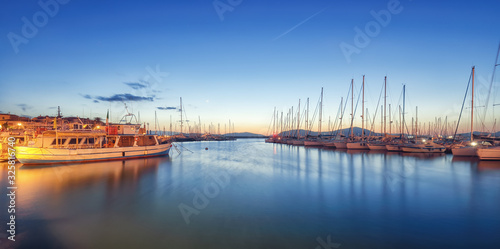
[277, 196]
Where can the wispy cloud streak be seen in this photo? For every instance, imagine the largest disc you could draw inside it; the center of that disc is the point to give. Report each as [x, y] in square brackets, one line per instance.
[300, 23]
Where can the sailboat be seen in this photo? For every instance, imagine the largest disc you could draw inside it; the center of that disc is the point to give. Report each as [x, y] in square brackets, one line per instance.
[360, 145]
[490, 153]
[317, 141]
[471, 148]
[381, 145]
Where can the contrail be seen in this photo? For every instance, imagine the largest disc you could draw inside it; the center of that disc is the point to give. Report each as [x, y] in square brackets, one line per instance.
[300, 23]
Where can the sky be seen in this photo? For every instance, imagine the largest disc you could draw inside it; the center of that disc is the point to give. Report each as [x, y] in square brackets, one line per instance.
[238, 59]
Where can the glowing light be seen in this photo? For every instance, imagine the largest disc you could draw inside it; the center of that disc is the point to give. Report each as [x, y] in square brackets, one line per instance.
[98, 127]
[19, 124]
[473, 143]
[423, 140]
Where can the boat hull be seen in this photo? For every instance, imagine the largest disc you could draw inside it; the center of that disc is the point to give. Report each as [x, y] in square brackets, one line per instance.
[340, 145]
[377, 146]
[464, 151]
[357, 146]
[313, 143]
[492, 153]
[31, 155]
[415, 149]
[394, 147]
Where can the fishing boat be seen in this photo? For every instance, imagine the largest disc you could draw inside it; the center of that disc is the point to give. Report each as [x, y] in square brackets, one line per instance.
[119, 142]
[489, 153]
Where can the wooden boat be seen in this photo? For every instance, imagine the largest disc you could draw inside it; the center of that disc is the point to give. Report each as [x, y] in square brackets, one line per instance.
[87, 146]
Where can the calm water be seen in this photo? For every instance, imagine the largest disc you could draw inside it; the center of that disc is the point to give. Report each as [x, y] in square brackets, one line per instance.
[249, 194]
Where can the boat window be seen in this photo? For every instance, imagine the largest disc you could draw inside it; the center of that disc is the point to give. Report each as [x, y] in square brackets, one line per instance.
[90, 140]
[61, 141]
[72, 141]
[80, 140]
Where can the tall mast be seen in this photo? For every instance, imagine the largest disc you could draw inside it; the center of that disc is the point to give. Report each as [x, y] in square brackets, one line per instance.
[385, 101]
[416, 123]
[155, 122]
[403, 122]
[390, 120]
[291, 123]
[298, 121]
[307, 118]
[363, 112]
[274, 121]
[472, 108]
[180, 109]
[281, 125]
[352, 105]
[341, 114]
[320, 111]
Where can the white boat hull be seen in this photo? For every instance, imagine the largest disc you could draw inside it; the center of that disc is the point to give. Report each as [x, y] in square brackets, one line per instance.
[313, 143]
[32, 155]
[464, 151]
[491, 153]
[357, 146]
[340, 145]
[394, 147]
[377, 146]
[426, 149]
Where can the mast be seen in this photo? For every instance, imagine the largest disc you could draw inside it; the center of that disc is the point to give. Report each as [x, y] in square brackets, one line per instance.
[416, 122]
[390, 121]
[403, 124]
[363, 112]
[385, 101]
[320, 112]
[341, 114]
[307, 118]
[274, 121]
[281, 124]
[180, 109]
[155, 122]
[298, 121]
[472, 109]
[352, 106]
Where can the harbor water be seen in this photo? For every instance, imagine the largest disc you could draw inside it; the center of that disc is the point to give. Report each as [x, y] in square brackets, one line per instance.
[251, 194]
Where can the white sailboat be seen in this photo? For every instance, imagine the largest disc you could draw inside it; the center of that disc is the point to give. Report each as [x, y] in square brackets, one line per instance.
[471, 148]
[360, 145]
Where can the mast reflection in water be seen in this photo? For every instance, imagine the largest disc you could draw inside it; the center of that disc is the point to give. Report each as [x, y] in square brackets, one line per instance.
[249, 194]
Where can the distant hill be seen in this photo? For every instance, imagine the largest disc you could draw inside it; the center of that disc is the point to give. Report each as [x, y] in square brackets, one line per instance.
[244, 135]
[356, 131]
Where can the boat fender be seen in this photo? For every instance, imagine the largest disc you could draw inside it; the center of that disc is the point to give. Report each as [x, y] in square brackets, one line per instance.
[206, 148]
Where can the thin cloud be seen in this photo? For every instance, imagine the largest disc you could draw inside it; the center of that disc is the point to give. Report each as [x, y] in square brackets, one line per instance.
[124, 97]
[300, 23]
[136, 85]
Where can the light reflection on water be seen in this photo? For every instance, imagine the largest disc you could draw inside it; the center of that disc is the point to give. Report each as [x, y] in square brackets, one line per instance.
[260, 195]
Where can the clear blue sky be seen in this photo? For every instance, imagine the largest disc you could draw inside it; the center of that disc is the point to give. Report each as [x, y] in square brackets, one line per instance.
[242, 60]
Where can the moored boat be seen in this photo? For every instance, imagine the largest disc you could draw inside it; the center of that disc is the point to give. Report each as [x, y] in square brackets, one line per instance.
[86, 146]
[489, 153]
